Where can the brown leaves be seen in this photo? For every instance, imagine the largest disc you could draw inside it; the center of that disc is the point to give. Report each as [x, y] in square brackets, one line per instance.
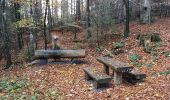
[67, 80]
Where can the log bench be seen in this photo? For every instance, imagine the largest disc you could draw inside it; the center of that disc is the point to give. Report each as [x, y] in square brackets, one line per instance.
[45, 54]
[118, 68]
[99, 78]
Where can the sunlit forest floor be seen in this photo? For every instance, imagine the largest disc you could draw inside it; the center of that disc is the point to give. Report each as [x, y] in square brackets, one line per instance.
[66, 81]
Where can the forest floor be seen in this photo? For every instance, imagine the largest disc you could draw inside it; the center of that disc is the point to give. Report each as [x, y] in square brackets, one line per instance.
[66, 81]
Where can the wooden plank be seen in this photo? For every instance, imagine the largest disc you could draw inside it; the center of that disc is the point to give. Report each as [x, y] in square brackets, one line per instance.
[43, 54]
[115, 64]
[98, 78]
[134, 76]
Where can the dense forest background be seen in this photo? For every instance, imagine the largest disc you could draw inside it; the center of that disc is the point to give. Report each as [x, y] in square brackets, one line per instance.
[19, 18]
[136, 32]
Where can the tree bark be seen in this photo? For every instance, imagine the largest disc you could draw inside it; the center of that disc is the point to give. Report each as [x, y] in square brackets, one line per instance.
[17, 18]
[45, 17]
[88, 18]
[71, 7]
[127, 18]
[49, 22]
[36, 20]
[7, 39]
[78, 11]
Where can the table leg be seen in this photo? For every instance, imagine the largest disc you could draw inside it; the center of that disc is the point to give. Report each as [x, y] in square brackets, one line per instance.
[117, 78]
[106, 69]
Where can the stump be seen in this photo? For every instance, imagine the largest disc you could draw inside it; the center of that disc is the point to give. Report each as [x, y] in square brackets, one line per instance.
[55, 43]
[151, 37]
[145, 17]
[31, 47]
[148, 41]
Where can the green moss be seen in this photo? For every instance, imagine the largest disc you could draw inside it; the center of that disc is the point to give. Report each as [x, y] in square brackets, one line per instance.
[118, 45]
[134, 57]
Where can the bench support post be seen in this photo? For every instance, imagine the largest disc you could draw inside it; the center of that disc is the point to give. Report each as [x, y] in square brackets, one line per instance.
[117, 78]
[106, 69]
[96, 84]
[87, 77]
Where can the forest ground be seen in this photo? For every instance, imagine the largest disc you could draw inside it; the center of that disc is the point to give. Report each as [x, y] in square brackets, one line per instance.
[66, 81]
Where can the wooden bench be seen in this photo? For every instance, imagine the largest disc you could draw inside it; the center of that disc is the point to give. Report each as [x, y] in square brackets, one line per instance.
[134, 76]
[118, 68]
[99, 78]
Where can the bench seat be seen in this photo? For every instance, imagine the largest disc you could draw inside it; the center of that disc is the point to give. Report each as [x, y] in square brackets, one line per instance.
[99, 78]
[134, 76]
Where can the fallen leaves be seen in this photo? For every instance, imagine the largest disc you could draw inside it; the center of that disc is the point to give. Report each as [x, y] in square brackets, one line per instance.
[67, 81]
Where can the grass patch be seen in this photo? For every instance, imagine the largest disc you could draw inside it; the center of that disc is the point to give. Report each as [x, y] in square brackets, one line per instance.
[20, 88]
[165, 72]
[118, 45]
[134, 58]
[12, 85]
[99, 49]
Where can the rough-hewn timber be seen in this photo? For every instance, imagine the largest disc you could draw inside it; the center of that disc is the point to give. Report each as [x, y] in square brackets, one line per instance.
[99, 78]
[45, 54]
[115, 64]
[134, 76]
[118, 68]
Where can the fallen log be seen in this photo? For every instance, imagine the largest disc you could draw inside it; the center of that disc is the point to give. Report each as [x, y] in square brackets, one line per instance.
[45, 54]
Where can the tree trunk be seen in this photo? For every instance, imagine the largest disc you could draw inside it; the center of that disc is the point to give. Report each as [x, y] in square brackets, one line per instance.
[7, 39]
[67, 6]
[71, 7]
[146, 13]
[127, 18]
[49, 23]
[45, 17]
[19, 32]
[88, 19]
[36, 20]
[78, 11]
[56, 11]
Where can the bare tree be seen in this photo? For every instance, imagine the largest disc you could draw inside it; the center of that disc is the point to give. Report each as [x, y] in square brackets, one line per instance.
[88, 18]
[7, 45]
[17, 7]
[45, 17]
[78, 11]
[127, 18]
